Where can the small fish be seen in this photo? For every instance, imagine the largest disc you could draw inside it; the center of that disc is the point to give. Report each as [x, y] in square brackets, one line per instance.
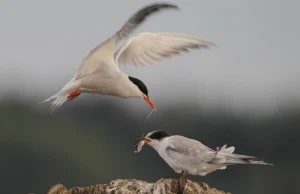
[140, 142]
[140, 146]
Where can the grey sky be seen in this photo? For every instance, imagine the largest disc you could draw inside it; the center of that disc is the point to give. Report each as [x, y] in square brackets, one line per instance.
[256, 63]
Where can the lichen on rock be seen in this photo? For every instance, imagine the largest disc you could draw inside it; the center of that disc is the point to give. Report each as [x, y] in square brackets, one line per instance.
[132, 186]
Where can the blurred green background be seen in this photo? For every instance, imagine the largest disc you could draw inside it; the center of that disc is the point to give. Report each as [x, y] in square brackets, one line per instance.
[86, 144]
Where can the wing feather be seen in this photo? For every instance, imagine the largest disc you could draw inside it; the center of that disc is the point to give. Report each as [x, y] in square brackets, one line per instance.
[148, 48]
[188, 151]
[101, 57]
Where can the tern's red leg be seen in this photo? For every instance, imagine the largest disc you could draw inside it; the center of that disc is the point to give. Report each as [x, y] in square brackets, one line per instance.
[184, 175]
[74, 94]
[191, 177]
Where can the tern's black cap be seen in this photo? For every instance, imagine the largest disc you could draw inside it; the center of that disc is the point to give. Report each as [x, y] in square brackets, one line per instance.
[159, 135]
[139, 84]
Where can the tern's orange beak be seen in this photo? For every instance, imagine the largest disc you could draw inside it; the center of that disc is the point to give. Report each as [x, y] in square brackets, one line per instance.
[145, 141]
[149, 101]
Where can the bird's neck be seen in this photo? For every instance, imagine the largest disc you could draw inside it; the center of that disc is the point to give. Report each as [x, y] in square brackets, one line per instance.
[157, 145]
[126, 88]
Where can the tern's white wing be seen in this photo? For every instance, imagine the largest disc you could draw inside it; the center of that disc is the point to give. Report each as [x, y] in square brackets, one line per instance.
[98, 59]
[148, 48]
[101, 58]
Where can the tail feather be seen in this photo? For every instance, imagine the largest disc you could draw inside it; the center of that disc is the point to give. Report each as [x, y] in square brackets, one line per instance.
[242, 159]
[226, 156]
[220, 156]
[60, 97]
[59, 101]
[225, 150]
[50, 98]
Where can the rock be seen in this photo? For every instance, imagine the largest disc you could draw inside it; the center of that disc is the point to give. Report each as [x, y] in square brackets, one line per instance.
[132, 186]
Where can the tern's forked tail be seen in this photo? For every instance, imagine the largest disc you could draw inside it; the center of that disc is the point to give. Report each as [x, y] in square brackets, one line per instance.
[226, 156]
[60, 99]
[67, 93]
[242, 159]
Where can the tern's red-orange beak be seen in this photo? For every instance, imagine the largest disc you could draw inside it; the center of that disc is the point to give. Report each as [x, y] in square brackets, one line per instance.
[146, 141]
[149, 101]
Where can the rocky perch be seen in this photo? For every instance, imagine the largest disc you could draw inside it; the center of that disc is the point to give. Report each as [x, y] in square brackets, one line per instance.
[132, 186]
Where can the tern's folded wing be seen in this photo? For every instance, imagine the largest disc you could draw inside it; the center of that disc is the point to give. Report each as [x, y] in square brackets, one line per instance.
[188, 151]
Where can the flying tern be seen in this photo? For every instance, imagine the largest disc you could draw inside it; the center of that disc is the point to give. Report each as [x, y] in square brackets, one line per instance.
[192, 157]
[100, 73]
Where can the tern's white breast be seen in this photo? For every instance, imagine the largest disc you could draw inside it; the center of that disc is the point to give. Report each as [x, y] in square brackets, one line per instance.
[105, 83]
[174, 163]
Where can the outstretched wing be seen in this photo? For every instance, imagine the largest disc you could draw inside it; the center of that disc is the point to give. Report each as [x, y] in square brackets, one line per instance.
[148, 48]
[101, 57]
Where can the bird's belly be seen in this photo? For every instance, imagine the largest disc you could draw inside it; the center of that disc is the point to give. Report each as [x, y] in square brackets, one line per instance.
[208, 168]
[201, 169]
[98, 90]
[99, 84]
[175, 165]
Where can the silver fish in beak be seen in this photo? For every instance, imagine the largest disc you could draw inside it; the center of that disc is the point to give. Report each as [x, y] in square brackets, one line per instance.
[141, 142]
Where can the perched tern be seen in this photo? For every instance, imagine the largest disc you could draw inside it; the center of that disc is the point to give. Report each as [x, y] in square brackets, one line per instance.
[191, 156]
[99, 72]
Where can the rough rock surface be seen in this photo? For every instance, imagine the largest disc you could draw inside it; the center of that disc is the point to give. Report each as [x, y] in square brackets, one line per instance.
[132, 186]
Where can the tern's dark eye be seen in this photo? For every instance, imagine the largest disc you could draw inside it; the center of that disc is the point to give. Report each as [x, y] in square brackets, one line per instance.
[139, 84]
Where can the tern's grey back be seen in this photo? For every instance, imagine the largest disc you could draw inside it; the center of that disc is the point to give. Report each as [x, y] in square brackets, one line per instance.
[188, 151]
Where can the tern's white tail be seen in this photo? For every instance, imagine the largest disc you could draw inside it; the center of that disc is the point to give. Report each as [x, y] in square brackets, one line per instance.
[61, 97]
[226, 156]
[242, 159]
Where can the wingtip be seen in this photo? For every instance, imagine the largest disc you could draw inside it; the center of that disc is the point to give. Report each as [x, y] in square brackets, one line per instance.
[258, 161]
[268, 164]
[141, 15]
[164, 4]
[159, 6]
[174, 6]
[212, 44]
